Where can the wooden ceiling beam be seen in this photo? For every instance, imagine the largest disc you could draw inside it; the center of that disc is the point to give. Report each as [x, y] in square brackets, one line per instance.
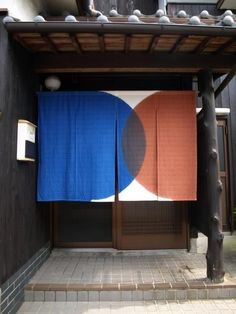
[136, 61]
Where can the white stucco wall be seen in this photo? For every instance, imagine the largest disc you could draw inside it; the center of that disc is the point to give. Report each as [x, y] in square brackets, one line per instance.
[24, 10]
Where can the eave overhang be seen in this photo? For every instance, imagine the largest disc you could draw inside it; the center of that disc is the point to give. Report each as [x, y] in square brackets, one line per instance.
[120, 28]
[126, 47]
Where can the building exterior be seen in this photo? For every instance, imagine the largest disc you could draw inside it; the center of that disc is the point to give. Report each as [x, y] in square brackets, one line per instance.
[162, 46]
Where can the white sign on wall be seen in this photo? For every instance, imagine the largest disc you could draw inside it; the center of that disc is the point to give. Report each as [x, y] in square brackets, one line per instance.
[26, 141]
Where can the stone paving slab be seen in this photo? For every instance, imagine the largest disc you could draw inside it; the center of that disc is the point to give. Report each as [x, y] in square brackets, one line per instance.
[180, 277]
[162, 266]
[141, 307]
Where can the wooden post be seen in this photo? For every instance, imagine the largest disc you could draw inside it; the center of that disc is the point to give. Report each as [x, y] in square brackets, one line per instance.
[214, 254]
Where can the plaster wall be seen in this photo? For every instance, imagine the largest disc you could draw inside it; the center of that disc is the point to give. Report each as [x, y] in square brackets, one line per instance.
[24, 10]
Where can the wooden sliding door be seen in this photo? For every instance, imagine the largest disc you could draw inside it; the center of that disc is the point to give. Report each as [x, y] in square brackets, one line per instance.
[82, 224]
[152, 225]
[122, 225]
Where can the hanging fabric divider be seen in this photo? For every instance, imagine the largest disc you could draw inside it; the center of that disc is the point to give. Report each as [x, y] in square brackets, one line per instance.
[137, 149]
[157, 146]
[156, 143]
[176, 146]
[76, 146]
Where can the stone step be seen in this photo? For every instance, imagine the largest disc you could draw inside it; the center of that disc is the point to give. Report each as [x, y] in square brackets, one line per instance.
[194, 290]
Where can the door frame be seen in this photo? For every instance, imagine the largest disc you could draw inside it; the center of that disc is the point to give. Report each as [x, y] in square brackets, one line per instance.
[224, 121]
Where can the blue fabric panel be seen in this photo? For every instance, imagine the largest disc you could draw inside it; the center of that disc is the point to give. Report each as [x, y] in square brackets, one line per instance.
[77, 146]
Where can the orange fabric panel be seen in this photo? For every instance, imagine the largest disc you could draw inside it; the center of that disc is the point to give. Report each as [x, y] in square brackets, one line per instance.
[146, 111]
[176, 145]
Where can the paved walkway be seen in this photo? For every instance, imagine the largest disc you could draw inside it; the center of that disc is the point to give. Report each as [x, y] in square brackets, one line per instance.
[138, 307]
[175, 266]
[112, 266]
[135, 267]
[230, 255]
[70, 267]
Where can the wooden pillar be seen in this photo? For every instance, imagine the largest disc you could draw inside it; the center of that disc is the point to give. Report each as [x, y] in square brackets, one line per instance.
[214, 254]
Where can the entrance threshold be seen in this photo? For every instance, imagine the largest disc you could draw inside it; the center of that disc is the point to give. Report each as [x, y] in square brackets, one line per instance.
[112, 275]
[114, 252]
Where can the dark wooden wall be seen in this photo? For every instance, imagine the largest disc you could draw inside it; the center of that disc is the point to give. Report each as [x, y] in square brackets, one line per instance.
[23, 223]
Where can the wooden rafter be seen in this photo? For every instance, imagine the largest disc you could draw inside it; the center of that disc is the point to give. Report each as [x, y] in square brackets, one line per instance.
[127, 43]
[178, 43]
[153, 44]
[49, 42]
[22, 42]
[225, 46]
[75, 43]
[202, 45]
[101, 42]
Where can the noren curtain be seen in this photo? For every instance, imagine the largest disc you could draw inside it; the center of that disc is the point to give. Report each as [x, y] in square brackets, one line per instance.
[157, 147]
[144, 141]
[76, 136]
